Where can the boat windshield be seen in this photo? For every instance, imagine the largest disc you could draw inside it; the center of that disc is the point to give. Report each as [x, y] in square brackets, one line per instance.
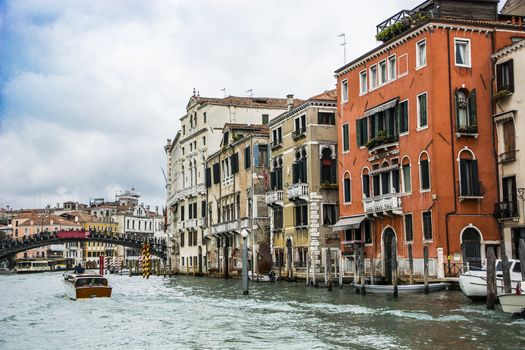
[517, 267]
[87, 282]
[499, 266]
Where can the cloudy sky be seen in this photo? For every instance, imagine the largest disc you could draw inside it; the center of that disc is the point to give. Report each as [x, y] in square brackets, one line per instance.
[91, 90]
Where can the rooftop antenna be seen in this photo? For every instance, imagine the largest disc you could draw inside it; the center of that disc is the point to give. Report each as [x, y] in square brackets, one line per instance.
[251, 92]
[343, 45]
[224, 91]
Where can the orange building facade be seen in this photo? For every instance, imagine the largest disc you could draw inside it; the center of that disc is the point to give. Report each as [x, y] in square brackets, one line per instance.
[416, 158]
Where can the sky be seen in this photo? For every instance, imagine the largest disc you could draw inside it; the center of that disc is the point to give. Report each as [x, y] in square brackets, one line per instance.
[91, 90]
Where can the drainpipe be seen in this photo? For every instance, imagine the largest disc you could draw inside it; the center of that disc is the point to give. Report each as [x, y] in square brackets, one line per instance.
[452, 151]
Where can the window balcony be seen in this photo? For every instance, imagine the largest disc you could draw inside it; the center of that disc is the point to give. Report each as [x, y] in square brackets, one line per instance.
[298, 192]
[297, 134]
[507, 157]
[228, 181]
[180, 225]
[275, 198]
[382, 142]
[506, 210]
[195, 191]
[230, 226]
[276, 143]
[471, 191]
[467, 130]
[383, 205]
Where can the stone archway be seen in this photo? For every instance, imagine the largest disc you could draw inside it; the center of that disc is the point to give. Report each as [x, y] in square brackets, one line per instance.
[471, 247]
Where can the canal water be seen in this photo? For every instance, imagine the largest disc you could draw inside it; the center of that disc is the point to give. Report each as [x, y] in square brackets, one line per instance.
[207, 313]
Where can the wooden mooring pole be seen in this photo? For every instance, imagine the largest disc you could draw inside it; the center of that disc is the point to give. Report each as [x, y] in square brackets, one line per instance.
[522, 258]
[491, 278]
[411, 263]
[505, 266]
[362, 268]
[308, 270]
[393, 265]
[329, 268]
[425, 266]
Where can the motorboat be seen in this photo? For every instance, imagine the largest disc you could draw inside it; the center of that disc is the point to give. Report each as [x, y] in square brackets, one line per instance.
[86, 285]
[513, 303]
[473, 282]
[401, 288]
[261, 278]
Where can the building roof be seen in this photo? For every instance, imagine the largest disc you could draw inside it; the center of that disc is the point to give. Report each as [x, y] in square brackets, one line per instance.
[45, 220]
[513, 8]
[254, 128]
[328, 95]
[508, 49]
[238, 101]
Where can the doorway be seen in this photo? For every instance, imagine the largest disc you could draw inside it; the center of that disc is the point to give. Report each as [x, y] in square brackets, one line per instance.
[388, 237]
[471, 247]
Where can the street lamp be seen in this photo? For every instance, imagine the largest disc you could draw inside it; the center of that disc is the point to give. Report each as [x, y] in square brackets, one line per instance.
[244, 234]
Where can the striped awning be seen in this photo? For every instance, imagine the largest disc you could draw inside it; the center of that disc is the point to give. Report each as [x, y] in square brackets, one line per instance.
[381, 108]
[348, 223]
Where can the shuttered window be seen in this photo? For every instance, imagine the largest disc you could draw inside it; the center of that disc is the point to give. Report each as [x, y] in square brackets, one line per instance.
[208, 177]
[247, 158]
[409, 232]
[234, 161]
[346, 138]
[427, 225]
[505, 76]
[216, 173]
[470, 186]
[402, 111]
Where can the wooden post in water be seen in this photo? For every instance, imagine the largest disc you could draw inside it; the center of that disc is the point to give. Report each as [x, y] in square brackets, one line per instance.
[491, 279]
[394, 265]
[363, 272]
[308, 270]
[505, 266]
[340, 269]
[372, 270]
[425, 266]
[411, 263]
[522, 258]
[328, 266]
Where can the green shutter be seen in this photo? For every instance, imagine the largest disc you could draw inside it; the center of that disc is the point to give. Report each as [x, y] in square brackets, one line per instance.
[472, 109]
[358, 132]
[475, 179]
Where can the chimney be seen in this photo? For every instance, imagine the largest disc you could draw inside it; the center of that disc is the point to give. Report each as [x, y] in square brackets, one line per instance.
[289, 100]
[157, 209]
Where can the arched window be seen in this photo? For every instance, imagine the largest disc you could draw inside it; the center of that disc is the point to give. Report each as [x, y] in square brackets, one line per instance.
[468, 174]
[328, 166]
[299, 167]
[385, 179]
[347, 188]
[407, 180]
[466, 111]
[366, 182]
[424, 172]
[183, 178]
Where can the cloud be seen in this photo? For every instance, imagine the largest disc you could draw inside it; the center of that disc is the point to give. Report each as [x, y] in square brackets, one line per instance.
[89, 92]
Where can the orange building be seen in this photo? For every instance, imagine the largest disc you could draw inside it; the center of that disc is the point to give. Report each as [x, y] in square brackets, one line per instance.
[416, 158]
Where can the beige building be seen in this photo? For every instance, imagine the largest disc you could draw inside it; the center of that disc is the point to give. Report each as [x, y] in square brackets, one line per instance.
[199, 136]
[237, 177]
[303, 194]
[509, 97]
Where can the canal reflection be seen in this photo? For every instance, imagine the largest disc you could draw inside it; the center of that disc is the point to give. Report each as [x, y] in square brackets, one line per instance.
[207, 313]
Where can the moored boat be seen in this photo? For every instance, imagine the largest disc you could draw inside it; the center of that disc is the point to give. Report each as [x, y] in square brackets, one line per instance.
[512, 303]
[32, 266]
[473, 283]
[89, 285]
[401, 288]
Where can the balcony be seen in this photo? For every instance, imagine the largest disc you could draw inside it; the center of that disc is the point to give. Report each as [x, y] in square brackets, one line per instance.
[471, 191]
[298, 192]
[383, 205]
[275, 198]
[276, 144]
[230, 226]
[195, 191]
[507, 157]
[506, 210]
[297, 134]
[191, 224]
[467, 130]
[180, 225]
[381, 142]
[399, 23]
[228, 181]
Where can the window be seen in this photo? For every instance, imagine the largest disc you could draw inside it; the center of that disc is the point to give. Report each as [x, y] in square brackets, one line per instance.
[300, 127]
[182, 239]
[234, 161]
[366, 183]
[326, 118]
[265, 119]
[402, 110]
[276, 176]
[421, 54]
[204, 140]
[402, 65]
[409, 233]
[278, 218]
[382, 73]
[509, 141]
[329, 214]
[328, 166]
[391, 67]
[427, 225]
[466, 115]
[363, 88]
[346, 138]
[462, 48]
[407, 181]
[216, 173]
[225, 138]
[362, 131]
[260, 154]
[505, 76]
[204, 117]
[277, 137]
[424, 172]
[373, 77]
[367, 227]
[422, 116]
[184, 130]
[301, 215]
[299, 167]
[347, 190]
[247, 158]
[344, 91]
[468, 173]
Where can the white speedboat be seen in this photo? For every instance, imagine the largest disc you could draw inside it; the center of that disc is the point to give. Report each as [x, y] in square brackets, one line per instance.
[473, 283]
[86, 285]
[512, 303]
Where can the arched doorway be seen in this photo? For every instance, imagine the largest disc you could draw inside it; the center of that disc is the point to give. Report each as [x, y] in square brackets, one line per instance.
[471, 247]
[388, 237]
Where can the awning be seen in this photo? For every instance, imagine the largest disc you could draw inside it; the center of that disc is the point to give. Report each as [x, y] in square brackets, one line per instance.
[381, 108]
[348, 223]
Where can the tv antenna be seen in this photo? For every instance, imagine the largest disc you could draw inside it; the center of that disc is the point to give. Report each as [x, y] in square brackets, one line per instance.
[343, 45]
[224, 91]
[250, 91]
